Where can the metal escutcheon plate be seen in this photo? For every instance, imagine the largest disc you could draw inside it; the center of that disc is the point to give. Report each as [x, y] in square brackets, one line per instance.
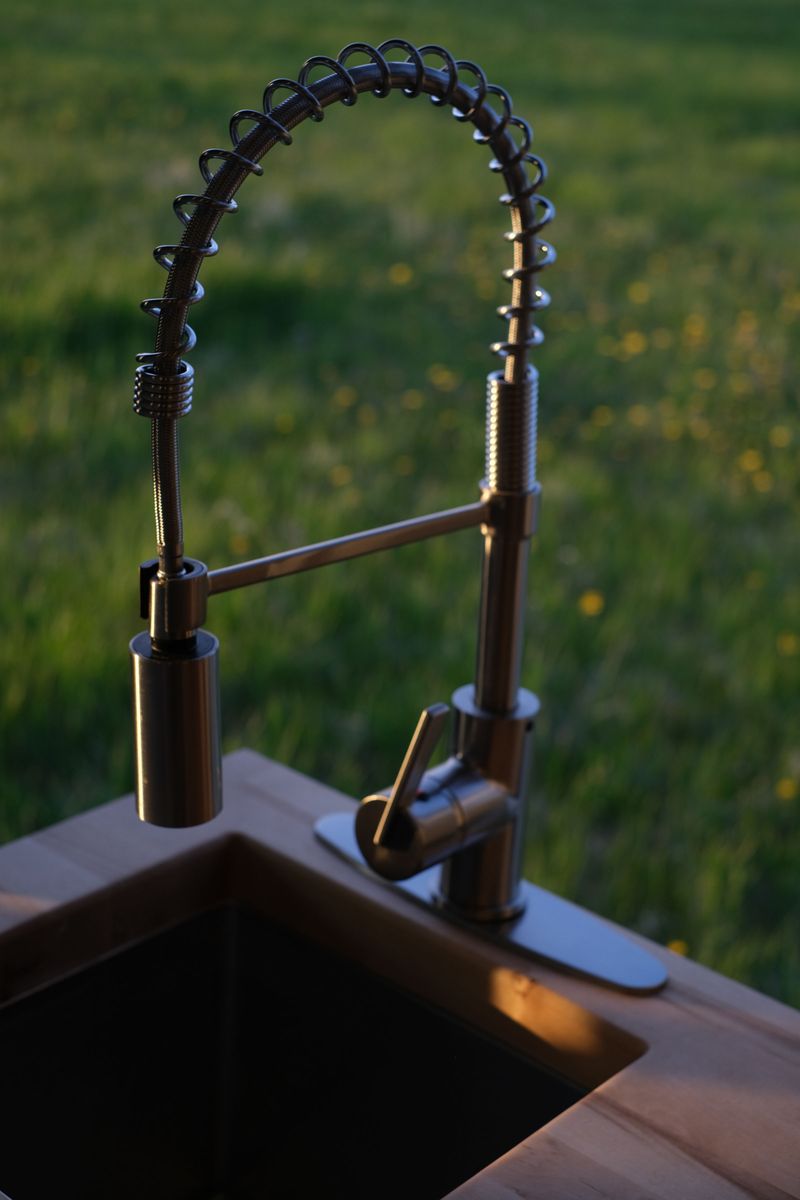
[550, 929]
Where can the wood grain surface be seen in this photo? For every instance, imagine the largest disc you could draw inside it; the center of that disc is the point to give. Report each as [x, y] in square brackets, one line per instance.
[696, 1090]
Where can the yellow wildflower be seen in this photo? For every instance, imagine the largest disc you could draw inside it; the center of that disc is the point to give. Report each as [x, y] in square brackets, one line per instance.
[340, 476]
[400, 273]
[442, 377]
[780, 436]
[672, 429]
[787, 644]
[345, 396]
[705, 379]
[639, 292]
[602, 416]
[638, 415]
[699, 427]
[239, 544]
[591, 603]
[751, 460]
[634, 342]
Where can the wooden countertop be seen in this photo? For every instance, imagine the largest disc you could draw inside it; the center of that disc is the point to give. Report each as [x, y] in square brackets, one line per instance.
[696, 1090]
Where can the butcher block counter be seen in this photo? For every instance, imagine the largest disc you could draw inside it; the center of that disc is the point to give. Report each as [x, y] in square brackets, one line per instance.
[691, 1094]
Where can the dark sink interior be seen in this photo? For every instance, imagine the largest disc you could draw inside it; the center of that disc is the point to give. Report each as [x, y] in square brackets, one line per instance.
[227, 1059]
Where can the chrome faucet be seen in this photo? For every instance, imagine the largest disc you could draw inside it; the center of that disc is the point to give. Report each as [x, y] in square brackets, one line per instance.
[455, 832]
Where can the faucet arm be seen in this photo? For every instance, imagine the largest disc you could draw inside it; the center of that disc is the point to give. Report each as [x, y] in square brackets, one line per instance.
[351, 545]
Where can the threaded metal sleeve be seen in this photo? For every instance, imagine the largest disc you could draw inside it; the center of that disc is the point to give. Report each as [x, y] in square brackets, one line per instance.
[511, 410]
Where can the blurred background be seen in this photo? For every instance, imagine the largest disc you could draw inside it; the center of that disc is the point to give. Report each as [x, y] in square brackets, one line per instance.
[341, 363]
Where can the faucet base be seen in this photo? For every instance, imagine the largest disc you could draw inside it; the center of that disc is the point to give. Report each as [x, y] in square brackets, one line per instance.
[549, 929]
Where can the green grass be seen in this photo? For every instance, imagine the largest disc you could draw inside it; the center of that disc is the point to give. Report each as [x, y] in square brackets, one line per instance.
[667, 781]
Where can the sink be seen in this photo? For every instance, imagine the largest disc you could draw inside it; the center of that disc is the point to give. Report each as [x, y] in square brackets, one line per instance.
[228, 1058]
[232, 1012]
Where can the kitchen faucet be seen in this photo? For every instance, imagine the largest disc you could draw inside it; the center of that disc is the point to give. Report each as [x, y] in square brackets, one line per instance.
[453, 834]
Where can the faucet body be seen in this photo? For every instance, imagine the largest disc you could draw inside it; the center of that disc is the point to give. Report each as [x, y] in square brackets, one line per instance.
[469, 813]
[466, 817]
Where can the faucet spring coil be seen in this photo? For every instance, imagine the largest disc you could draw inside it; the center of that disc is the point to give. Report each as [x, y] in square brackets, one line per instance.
[255, 132]
[511, 412]
[163, 397]
[272, 126]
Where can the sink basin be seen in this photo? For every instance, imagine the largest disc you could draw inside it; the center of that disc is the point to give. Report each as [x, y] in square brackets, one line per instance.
[232, 1011]
[230, 1058]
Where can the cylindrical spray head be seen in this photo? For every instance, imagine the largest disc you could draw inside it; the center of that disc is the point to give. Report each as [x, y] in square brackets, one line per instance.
[177, 731]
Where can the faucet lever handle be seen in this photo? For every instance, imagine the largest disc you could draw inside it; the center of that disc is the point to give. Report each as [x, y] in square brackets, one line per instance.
[414, 765]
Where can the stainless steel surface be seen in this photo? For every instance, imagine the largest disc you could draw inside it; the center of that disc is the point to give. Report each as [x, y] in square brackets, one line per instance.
[499, 746]
[176, 604]
[549, 928]
[353, 545]
[483, 882]
[456, 807]
[177, 731]
[420, 748]
[468, 813]
[501, 622]
[511, 415]
[511, 420]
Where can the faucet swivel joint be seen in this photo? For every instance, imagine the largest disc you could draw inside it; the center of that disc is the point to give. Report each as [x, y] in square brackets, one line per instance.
[175, 695]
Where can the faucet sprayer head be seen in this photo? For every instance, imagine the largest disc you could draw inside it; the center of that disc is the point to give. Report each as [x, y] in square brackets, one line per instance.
[177, 730]
[176, 718]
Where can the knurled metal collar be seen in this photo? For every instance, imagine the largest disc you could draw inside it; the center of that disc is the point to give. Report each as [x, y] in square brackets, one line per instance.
[511, 432]
[163, 397]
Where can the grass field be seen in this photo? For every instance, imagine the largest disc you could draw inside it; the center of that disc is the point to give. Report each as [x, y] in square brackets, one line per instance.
[341, 363]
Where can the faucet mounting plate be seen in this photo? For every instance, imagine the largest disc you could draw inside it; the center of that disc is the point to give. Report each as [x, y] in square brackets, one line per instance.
[550, 929]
